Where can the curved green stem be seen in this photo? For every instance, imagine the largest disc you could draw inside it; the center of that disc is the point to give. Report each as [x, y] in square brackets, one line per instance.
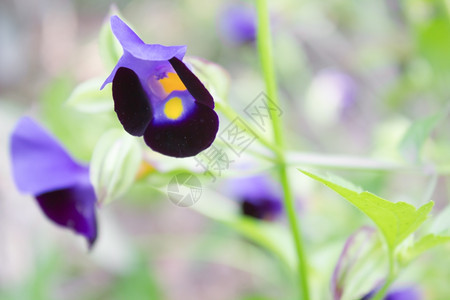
[389, 280]
[266, 58]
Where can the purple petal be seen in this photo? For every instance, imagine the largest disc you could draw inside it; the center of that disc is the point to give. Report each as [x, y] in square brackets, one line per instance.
[192, 83]
[131, 102]
[74, 208]
[135, 46]
[404, 293]
[186, 136]
[263, 208]
[238, 24]
[260, 197]
[39, 163]
[254, 187]
[142, 58]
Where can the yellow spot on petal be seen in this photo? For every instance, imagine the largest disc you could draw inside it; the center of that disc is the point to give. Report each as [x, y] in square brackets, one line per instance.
[173, 108]
[172, 83]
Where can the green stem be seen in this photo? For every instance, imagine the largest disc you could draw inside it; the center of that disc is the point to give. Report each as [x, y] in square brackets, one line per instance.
[266, 58]
[389, 280]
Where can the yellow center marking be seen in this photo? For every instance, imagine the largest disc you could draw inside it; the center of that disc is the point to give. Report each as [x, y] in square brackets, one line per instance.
[172, 83]
[173, 108]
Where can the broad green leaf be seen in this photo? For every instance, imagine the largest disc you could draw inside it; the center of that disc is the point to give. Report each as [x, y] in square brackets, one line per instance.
[115, 163]
[110, 49]
[215, 78]
[432, 37]
[430, 28]
[425, 243]
[396, 221]
[273, 237]
[88, 98]
[416, 136]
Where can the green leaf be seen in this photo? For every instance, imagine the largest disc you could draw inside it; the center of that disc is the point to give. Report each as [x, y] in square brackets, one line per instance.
[88, 98]
[110, 49]
[396, 221]
[432, 31]
[115, 162]
[215, 78]
[425, 243]
[417, 134]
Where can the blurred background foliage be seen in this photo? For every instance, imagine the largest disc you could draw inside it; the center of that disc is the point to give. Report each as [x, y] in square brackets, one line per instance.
[397, 56]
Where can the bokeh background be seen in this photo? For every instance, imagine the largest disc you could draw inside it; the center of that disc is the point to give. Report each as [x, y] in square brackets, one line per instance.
[353, 76]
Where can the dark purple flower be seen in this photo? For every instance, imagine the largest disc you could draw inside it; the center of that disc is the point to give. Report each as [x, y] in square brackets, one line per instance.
[237, 24]
[157, 96]
[61, 186]
[259, 197]
[404, 293]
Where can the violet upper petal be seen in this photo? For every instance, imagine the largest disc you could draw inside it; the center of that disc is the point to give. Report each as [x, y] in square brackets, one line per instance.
[131, 102]
[73, 207]
[39, 162]
[135, 46]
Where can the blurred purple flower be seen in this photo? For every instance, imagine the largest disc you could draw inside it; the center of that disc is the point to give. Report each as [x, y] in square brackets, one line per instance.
[259, 197]
[157, 96]
[405, 293]
[331, 96]
[61, 186]
[237, 24]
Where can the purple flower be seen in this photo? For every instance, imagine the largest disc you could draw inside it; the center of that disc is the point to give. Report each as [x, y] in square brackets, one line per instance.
[237, 24]
[404, 293]
[157, 96]
[259, 197]
[61, 186]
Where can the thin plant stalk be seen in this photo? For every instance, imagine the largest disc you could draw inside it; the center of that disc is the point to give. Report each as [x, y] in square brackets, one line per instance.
[266, 59]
